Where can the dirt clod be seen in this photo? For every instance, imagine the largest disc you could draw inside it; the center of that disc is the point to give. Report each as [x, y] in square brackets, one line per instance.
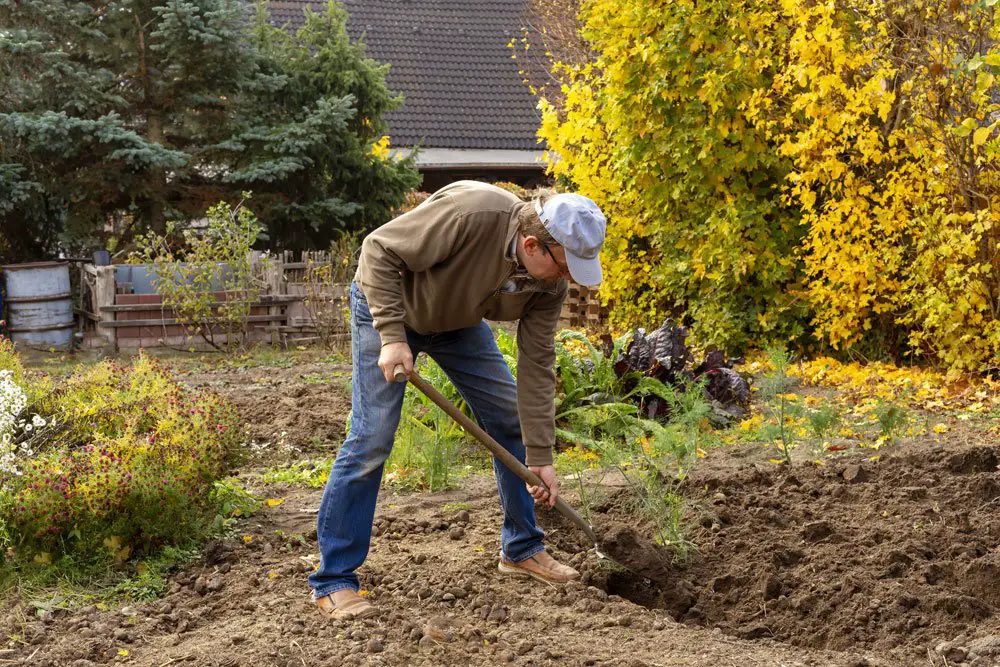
[855, 474]
[623, 545]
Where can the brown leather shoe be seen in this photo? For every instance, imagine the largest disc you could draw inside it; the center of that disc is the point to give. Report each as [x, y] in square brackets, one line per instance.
[345, 604]
[542, 567]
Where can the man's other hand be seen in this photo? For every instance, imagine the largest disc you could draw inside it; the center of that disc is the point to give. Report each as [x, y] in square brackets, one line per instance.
[392, 355]
[548, 475]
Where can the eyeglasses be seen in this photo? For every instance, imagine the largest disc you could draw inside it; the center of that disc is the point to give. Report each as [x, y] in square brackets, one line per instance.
[563, 268]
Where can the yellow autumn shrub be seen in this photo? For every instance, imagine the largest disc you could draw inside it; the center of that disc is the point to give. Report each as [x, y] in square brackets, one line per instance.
[656, 132]
[888, 110]
[769, 170]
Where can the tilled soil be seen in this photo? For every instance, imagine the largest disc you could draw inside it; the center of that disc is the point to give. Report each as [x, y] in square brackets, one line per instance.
[303, 407]
[432, 574]
[894, 555]
[857, 562]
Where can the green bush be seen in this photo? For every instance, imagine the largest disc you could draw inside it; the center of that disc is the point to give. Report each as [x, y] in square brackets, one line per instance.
[125, 463]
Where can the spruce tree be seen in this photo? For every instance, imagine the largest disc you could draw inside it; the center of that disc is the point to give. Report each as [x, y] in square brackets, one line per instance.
[304, 147]
[107, 109]
[122, 114]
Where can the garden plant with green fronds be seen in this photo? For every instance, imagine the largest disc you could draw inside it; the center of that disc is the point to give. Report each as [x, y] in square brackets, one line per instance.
[781, 412]
[892, 421]
[655, 459]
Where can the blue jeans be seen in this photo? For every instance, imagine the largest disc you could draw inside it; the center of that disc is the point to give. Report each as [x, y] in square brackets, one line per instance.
[474, 364]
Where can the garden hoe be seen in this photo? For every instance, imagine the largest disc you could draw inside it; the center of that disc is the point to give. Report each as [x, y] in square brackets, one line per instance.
[508, 459]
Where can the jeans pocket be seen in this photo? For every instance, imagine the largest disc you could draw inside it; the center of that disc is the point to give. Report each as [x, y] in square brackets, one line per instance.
[359, 305]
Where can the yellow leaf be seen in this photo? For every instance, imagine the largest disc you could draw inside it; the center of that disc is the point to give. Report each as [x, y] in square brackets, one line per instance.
[980, 136]
[44, 558]
[941, 428]
[123, 652]
[247, 539]
[808, 199]
[274, 502]
[700, 453]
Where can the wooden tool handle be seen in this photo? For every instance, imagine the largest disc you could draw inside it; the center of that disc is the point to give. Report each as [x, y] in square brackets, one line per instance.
[496, 449]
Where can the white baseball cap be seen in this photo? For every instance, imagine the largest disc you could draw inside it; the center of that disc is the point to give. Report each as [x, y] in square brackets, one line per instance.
[577, 224]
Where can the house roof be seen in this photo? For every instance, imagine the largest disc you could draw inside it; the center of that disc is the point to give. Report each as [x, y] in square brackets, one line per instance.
[451, 62]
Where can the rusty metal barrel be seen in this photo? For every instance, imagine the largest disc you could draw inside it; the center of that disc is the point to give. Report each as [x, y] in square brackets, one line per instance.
[40, 304]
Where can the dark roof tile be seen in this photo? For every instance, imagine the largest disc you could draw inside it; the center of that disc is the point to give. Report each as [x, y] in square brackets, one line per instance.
[451, 62]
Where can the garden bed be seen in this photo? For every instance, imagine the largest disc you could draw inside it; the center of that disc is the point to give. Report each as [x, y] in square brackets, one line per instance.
[855, 562]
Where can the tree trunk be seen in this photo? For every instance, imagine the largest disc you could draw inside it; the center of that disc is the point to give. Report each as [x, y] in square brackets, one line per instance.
[157, 176]
[157, 219]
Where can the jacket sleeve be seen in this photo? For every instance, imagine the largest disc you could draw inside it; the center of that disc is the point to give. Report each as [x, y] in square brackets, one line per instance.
[415, 241]
[536, 376]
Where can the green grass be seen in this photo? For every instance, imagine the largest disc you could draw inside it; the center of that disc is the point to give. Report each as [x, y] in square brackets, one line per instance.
[311, 473]
[71, 584]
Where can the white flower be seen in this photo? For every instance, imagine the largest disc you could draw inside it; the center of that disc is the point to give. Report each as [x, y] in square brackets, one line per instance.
[13, 401]
[37, 421]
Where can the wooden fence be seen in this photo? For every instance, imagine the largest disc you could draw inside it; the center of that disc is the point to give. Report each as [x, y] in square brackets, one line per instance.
[304, 300]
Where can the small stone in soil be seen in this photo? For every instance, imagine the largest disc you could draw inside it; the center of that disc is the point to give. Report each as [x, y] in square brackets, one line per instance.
[439, 629]
[597, 593]
[375, 645]
[463, 516]
[956, 654]
[456, 533]
[497, 615]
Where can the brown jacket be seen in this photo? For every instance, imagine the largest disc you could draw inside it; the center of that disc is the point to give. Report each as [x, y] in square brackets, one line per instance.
[443, 265]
